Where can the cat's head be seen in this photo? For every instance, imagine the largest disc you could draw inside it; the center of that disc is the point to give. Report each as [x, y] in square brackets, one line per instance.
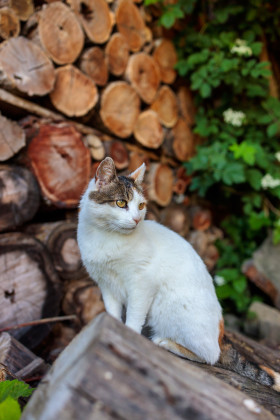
[116, 203]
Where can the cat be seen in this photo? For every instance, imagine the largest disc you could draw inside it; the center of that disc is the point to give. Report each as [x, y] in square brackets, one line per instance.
[153, 273]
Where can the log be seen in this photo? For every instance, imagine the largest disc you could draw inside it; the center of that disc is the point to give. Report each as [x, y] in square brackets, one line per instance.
[61, 163]
[182, 181]
[60, 33]
[26, 66]
[136, 159]
[148, 130]
[9, 23]
[22, 8]
[187, 108]
[95, 145]
[160, 181]
[116, 54]
[95, 18]
[19, 196]
[74, 93]
[12, 138]
[166, 58]
[131, 25]
[118, 152]
[165, 105]
[61, 240]
[17, 360]
[120, 107]
[183, 141]
[31, 287]
[201, 219]
[176, 217]
[143, 74]
[93, 63]
[108, 371]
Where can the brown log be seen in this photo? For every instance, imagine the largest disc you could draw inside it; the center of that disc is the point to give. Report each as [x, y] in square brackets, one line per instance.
[19, 196]
[95, 145]
[176, 217]
[61, 240]
[211, 256]
[12, 138]
[74, 93]
[60, 33]
[120, 107]
[165, 105]
[187, 108]
[30, 286]
[95, 18]
[18, 361]
[110, 372]
[61, 163]
[22, 8]
[9, 23]
[160, 181]
[143, 74]
[116, 54]
[84, 299]
[118, 152]
[131, 25]
[166, 58]
[94, 65]
[26, 66]
[201, 219]
[136, 159]
[183, 141]
[148, 130]
[182, 181]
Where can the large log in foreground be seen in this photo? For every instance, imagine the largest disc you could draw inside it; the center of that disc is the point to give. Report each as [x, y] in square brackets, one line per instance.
[108, 371]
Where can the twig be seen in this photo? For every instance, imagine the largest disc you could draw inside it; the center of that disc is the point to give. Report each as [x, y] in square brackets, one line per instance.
[40, 321]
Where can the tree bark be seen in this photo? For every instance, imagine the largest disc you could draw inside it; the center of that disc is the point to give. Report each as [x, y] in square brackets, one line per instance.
[109, 371]
[31, 288]
[74, 93]
[26, 66]
[120, 107]
[19, 196]
[60, 33]
[61, 163]
[12, 138]
[93, 63]
[9, 23]
[148, 130]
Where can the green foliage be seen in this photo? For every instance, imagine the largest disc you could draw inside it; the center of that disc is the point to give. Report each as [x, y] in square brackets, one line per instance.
[10, 391]
[239, 159]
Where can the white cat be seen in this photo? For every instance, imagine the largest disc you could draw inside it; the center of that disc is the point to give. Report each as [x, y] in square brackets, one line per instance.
[147, 268]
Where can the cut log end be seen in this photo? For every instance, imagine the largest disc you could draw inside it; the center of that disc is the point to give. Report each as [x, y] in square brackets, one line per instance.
[131, 25]
[9, 23]
[160, 182]
[165, 105]
[148, 130]
[94, 65]
[116, 54]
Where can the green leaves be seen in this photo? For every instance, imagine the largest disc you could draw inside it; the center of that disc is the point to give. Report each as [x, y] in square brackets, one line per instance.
[10, 409]
[244, 151]
[10, 391]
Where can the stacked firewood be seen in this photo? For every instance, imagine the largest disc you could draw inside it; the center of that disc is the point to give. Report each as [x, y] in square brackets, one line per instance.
[81, 80]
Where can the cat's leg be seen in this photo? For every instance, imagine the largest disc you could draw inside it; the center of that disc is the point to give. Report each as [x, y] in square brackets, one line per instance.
[138, 306]
[112, 305]
[177, 349]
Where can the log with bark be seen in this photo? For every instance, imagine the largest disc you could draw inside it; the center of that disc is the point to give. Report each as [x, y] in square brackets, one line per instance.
[12, 138]
[30, 287]
[109, 371]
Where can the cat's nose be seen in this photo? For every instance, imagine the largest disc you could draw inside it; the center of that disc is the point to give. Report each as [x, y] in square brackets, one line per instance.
[136, 221]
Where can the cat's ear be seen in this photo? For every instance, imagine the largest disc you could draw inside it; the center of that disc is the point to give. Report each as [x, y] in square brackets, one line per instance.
[106, 173]
[138, 174]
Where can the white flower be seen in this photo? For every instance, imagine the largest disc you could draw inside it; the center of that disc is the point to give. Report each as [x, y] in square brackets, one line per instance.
[269, 182]
[235, 118]
[277, 155]
[219, 280]
[241, 48]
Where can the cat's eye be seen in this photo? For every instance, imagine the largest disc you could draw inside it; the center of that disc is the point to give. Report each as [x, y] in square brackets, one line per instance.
[121, 203]
[141, 206]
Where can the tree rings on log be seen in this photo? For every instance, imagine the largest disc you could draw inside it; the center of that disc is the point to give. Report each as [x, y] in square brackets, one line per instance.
[29, 286]
[166, 58]
[166, 106]
[120, 107]
[131, 25]
[60, 33]
[118, 152]
[95, 18]
[116, 54]
[186, 105]
[94, 65]
[160, 181]
[26, 66]
[74, 93]
[19, 196]
[9, 23]
[12, 138]
[143, 74]
[183, 141]
[22, 8]
[61, 163]
[148, 130]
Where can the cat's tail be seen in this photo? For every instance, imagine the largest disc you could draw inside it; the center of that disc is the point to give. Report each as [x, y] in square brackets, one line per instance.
[241, 363]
